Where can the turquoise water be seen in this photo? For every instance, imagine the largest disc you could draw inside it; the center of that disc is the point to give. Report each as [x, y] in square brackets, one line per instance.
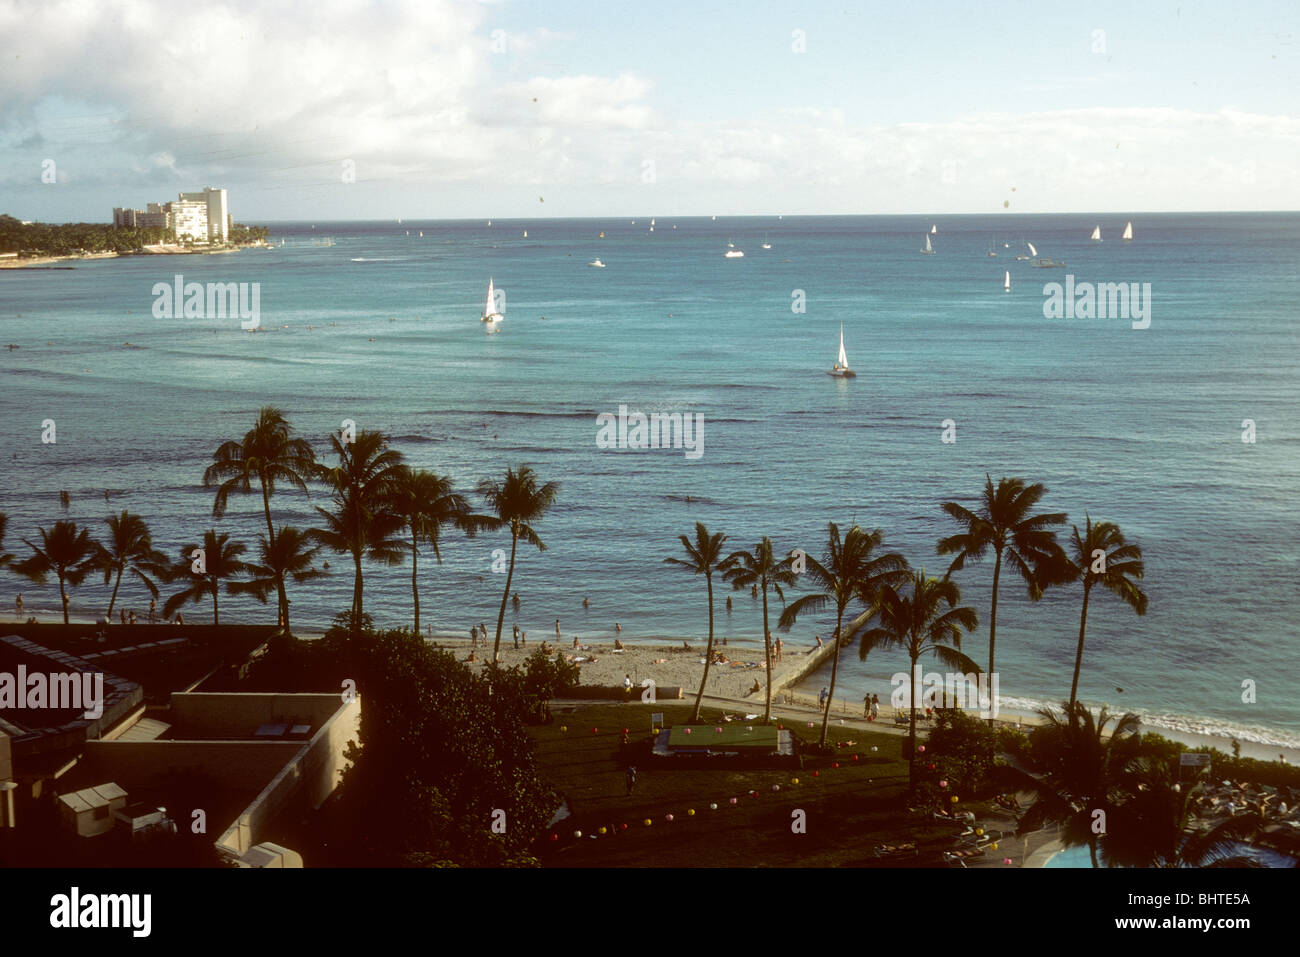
[1079, 857]
[1140, 427]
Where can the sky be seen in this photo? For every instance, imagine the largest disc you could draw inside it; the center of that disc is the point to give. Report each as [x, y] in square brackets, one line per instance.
[444, 109]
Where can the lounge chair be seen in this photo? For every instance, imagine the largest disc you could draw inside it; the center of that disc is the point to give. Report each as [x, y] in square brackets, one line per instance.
[962, 855]
[897, 850]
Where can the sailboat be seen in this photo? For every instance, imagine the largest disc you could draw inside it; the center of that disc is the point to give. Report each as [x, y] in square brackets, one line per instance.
[841, 368]
[1006, 281]
[934, 230]
[1032, 253]
[652, 224]
[490, 314]
[1128, 232]
[525, 234]
[422, 234]
[928, 248]
[766, 244]
[489, 222]
[992, 251]
[1096, 234]
[399, 220]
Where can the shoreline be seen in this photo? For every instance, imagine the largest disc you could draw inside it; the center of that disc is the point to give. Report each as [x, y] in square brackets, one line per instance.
[800, 665]
[44, 262]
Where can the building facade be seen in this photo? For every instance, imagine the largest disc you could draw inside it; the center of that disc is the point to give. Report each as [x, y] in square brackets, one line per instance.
[202, 217]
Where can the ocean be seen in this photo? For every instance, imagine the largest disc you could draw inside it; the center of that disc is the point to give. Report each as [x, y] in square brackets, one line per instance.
[1142, 427]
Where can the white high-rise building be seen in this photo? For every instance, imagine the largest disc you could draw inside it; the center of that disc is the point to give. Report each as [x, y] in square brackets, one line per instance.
[202, 217]
[217, 212]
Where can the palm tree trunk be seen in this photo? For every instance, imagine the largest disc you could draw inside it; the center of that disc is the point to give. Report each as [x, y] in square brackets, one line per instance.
[356, 588]
[216, 587]
[270, 541]
[767, 648]
[911, 734]
[1078, 655]
[63, 598]
[1092, 851]
[835, 666]
[112, 601]
[708, 654]
[992, 614]
[501, 615]
[415, 590]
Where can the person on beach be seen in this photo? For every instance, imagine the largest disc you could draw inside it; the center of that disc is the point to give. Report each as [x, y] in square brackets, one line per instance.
[516, 636]
[631, 779]
[482, 630]
[866, 705]
[576, 646]
[618, 645]
[523, 638]
[473, 636]
[875, 707]
[18, 604]
[557, 628]
[131, 618]
[728, 603]
[779, 648]
[819, 640]
[586, 603]
[153, 611]
[516, 601]
[617, 626]
[821, 698]
[121, 614]
[627, 683]
[180, 619]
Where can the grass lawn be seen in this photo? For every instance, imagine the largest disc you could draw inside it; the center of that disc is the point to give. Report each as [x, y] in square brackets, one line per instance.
[849, 809]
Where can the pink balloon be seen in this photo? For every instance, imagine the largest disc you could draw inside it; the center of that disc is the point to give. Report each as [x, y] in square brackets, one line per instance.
[688, 730]
[734, 800]
[668, 818]
[943, 784]
[920, 749]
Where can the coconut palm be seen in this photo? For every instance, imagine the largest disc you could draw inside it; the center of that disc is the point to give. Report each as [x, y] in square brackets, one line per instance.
[849, 571]
[517, 503]
[5, 557]
[269, 453]
[130, 549]
[925, 619]
[1101, 556]
[1156, 826]
[363, 522]
[289, 555]
[1025, 542]
[221, 562]
[760, 567]
[427, 504]
[704, 558]
[1078, 768]
[68, 551]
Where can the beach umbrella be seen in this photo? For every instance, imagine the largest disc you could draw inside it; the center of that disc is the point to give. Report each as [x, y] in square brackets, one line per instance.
[577, 834]
[713, 807]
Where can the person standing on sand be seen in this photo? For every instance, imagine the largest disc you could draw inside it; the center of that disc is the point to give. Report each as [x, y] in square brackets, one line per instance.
[557, 628]
[631, 779]
[875, 707]
[516, 636]
[473, 636]
[153, 611]
[18, 604]
[779, 648]
[866, 705]
[821, 698]
[523, 638]
[819, 640]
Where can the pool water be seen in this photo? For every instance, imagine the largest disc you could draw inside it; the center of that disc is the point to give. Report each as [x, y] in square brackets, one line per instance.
[1078, 857]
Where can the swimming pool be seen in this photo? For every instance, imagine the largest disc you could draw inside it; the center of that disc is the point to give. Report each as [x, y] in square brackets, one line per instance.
[1078, 857]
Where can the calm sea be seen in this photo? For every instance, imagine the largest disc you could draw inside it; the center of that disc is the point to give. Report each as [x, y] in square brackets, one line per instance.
[1140, 427]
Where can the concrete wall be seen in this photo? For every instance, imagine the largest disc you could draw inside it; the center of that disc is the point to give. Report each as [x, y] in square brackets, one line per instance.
[304, 783]
[240, 714]
[238, 764]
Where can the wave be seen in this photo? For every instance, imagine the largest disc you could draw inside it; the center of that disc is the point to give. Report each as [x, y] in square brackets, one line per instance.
[378, 259]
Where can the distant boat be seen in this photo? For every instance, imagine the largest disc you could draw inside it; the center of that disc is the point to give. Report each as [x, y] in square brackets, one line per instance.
[489, 222]
[734, 254]
[730, 244]
[408, 232]
[1096, 234]
[597, 263]
[934, 230]
[399, 220]
[929, 250]
[602, 234]
[992, 250]
[715, 218]
[422, 234]
[1047, 262]
[1006, 281]
[1128, 232]
[490, 314]
[841, 368]
[766, 244]
[1032, 253]
[525, 234]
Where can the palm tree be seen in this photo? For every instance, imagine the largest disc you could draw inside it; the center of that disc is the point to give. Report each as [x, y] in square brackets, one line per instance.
[1157, 827]
[288, 555]
[1101, 556]
[221, 561]
[1025, 542]
[1079, 768]
[705, 557]
[848, 572]
[760, 568]
[268, 452]
[517, 502]
[426, 503]
[5, 557]
[926, 621]
[67, 550]
[130, 548]
[363, 523]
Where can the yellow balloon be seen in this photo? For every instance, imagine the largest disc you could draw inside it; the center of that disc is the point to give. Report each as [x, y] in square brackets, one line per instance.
[647, 822]
[993, 846]
[954, 799]
[602, 830]
[979, 831]
[691, 812]
[794, 780]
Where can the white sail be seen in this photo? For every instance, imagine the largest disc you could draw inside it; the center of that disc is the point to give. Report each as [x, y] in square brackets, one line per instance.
[1096, 234]
[844, 360]
[1006, 281]
[928, 247]
[1032, 250]
[1128, 232]
[491, 299]
[934, 230]
[652, 220]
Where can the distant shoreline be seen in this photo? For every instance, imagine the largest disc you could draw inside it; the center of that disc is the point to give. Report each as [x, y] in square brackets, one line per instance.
[43, 262]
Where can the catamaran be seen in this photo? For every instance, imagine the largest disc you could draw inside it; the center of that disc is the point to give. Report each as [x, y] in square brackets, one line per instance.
[1096, 234]
[841, 368]
[490, 314]
[929, 250]
[1128, 232]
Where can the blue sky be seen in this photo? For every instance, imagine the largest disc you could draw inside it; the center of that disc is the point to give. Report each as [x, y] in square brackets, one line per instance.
[444, 108]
